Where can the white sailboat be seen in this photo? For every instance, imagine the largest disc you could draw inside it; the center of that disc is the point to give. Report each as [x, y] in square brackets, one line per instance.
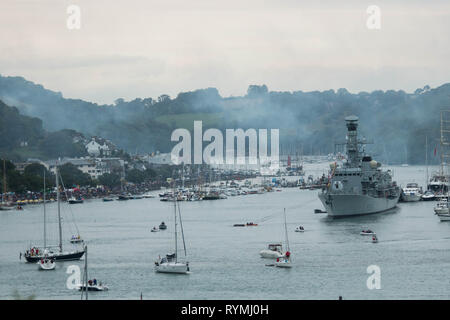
[89, 285]
[170, 263]
[285, 262]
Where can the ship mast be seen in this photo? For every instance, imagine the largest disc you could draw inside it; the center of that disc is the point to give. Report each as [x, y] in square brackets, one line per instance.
[4, 181]
[352, 140]
[59, 208]
[45, 219]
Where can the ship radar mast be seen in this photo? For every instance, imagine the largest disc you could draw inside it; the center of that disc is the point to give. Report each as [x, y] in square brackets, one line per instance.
[352, 140]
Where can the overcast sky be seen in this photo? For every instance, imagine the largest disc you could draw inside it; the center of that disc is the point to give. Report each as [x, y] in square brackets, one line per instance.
[145, 48]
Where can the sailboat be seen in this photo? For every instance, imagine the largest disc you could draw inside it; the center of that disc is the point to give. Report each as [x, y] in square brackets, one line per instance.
[36, 254]
[285, 262]
[89, 285]
[170, 263]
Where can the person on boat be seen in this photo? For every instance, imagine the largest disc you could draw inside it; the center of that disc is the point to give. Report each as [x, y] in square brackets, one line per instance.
[95, 282]
[288, 254]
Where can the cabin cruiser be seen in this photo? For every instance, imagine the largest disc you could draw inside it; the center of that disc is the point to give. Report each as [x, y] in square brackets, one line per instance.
[411, 193]
[93, 285]
[273, 251]
[442, 207]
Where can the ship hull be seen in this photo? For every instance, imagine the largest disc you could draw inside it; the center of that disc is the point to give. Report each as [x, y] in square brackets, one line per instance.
[344, 205]
[76, 255]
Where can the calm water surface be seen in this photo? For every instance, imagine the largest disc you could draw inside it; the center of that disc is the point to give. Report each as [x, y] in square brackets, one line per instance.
[330, 258]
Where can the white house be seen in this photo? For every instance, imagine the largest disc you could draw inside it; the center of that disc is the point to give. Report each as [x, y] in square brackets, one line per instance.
[95, 149]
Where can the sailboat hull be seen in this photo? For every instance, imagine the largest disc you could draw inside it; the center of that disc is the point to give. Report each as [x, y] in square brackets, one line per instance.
[172, 267]
[65, 256]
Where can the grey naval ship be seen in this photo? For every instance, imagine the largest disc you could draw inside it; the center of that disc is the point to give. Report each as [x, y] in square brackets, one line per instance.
[358, 186]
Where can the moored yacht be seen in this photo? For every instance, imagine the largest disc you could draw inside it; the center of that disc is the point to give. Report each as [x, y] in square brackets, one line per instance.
[411, 193]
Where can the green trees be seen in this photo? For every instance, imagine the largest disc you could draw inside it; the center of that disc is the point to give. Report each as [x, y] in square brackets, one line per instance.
[110, 180]
[72, 176]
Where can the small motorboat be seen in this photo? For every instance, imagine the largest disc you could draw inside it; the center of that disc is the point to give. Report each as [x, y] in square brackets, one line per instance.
[93, 286]
[148, 195]
[251, 224]
[162, 226]
[444, 216]
[155, 229]
[74, 200]
[108, 199]
[238, 225]
[46, 264]
[300, 229]
[76, 239]
[442, 207]
[367, 232]
[273, 251]
[123, 197]
[428, 196]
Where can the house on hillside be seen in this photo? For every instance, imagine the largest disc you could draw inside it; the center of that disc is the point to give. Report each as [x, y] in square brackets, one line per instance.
[99, 147]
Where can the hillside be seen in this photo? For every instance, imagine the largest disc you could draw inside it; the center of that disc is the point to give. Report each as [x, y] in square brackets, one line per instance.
[396, 121]
[24, 137]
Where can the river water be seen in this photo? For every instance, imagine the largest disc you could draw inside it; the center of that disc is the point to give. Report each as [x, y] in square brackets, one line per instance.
[330, 258]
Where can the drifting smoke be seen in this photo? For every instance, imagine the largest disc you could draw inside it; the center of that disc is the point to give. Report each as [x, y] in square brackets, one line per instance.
[310, 122]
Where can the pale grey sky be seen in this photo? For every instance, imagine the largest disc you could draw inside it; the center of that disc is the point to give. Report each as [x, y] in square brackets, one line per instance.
[145, 48]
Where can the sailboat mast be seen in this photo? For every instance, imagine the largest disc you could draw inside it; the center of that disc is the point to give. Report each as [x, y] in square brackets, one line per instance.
[426, 161]
[59, 209]
[4, 181]
[182, 232]
[285, 229]
[175, 213]
[45, 218]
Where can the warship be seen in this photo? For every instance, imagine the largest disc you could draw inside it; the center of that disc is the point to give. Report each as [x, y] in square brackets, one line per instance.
[358, 186]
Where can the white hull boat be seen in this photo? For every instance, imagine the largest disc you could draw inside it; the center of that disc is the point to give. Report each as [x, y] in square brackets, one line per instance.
[270, 254]
[46, 264]
[442, 207]
[367, 233]
[170, 263]
[172, 267]
[283, 263]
